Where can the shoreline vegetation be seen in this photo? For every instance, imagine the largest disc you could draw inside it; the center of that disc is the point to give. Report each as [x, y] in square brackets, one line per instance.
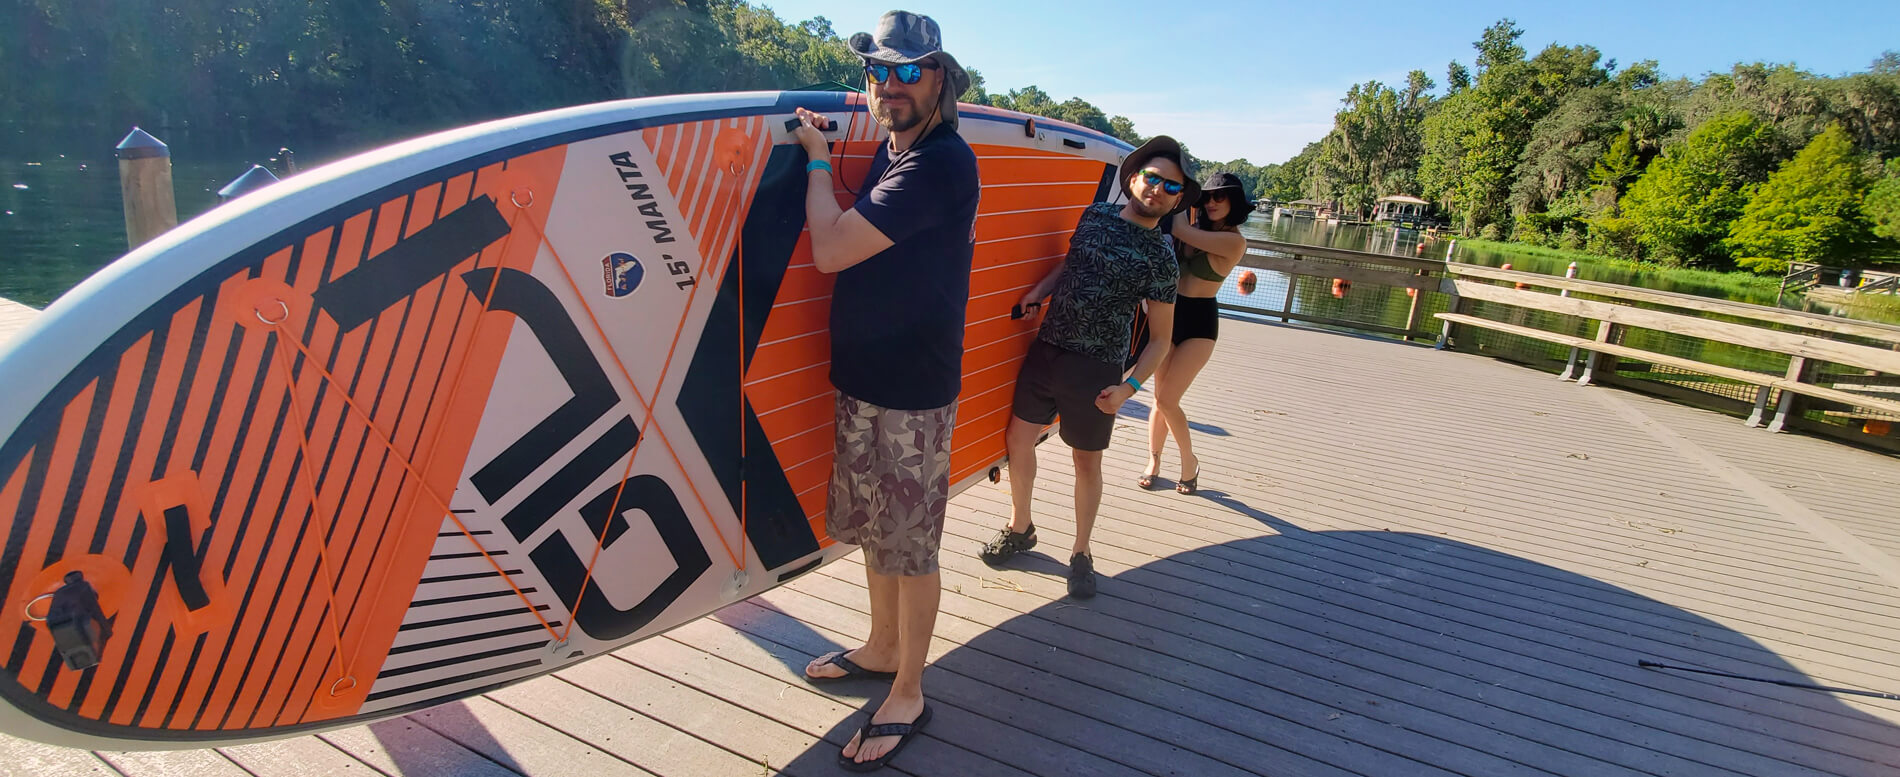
[1743, 284]
[1753, 169]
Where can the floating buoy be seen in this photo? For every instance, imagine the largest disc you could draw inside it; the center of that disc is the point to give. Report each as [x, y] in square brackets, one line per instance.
[1247, 282]
[1520, 286]
[1877, 428]
[1340, 287]
[1411, 292]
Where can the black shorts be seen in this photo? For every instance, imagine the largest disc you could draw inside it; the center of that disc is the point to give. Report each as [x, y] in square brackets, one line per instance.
[1196, 318]
[1055, 381]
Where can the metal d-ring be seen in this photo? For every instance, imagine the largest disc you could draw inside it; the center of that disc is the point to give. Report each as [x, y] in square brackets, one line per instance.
[515, 197]
[29, 607]
[334, 690]
[280, 319]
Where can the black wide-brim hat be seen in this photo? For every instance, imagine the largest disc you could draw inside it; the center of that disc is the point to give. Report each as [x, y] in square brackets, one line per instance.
[1238, 201]
[903, 37]
[1162, 146]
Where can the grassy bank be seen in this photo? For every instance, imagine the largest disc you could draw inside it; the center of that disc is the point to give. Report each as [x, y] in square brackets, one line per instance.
[1741, 284]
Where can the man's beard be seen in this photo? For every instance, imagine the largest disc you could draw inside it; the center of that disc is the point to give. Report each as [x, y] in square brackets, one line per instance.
[1147, 212]
[881, 111]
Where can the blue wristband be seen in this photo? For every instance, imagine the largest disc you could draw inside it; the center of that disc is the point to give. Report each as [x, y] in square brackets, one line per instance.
[818, 164]
[1135, 384]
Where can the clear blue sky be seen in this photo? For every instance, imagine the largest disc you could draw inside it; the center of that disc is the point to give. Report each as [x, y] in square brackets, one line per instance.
[1259, 80]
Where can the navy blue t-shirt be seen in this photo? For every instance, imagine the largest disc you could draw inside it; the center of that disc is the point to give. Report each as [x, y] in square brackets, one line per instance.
[897, 318]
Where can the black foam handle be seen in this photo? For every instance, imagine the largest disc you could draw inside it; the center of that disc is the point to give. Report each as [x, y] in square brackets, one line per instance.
[793, 122]
[1018, 311]
[183, 558]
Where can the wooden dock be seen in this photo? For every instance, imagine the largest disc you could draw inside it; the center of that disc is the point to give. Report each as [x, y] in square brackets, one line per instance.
[13, 318]
[1401, 562]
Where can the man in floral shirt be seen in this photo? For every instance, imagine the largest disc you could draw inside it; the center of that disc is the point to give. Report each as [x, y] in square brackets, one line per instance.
[1117, 259]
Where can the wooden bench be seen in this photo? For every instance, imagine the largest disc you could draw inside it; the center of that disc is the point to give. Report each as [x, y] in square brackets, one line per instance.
[1805, 349]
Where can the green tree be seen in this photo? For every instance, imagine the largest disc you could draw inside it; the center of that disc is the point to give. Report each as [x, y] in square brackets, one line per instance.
[1808, 211]
[1883, 203]
[1681, 207]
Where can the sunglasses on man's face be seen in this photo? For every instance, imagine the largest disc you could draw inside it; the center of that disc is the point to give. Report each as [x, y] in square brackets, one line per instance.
[1168, 185]
[907, 73]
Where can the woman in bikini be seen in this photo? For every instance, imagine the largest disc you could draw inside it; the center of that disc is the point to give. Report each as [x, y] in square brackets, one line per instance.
[1207, 247]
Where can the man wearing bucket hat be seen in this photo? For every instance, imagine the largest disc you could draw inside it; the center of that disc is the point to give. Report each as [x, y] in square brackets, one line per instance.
[1117, 259]
[902, 257]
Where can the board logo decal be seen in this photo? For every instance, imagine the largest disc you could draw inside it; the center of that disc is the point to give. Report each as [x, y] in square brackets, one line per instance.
[620, 273]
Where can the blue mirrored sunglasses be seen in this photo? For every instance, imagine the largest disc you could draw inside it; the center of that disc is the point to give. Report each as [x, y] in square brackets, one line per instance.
[907, 73]
[1168, 185]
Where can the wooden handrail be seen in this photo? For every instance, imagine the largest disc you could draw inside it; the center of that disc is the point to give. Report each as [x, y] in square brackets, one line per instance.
[1344, 255]
[1792, 343]
[1882, 332]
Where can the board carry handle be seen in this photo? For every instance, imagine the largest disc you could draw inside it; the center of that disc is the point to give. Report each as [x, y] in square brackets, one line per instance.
[183, 558]
[792, 123]
[1018, 311]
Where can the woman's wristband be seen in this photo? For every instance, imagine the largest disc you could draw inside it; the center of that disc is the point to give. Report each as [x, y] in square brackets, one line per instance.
[1134, 384]
[818, 164]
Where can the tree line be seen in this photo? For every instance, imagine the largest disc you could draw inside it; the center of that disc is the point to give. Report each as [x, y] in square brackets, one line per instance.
[361, 71]
[1752, 168]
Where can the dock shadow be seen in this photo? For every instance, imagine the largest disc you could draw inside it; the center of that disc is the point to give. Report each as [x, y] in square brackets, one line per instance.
[1369, 652]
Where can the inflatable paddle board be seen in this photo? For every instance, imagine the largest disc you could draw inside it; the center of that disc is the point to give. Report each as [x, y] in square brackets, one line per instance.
[458, 412]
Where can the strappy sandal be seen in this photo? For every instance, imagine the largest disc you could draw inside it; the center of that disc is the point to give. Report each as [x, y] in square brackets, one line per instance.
[1187, 485]
[1146, 481]
[871, 731]
[851, 671]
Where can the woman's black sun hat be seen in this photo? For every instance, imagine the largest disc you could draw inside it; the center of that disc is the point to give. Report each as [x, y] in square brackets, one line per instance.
[1239, 204]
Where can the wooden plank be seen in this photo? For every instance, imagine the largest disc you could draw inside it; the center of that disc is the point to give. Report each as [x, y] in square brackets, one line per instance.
[612, 727]
[1312, 319]
[1738, 334]
[1342, 626]
[404, 746]
[299, 757]
[27, 758]
[1100, 729]
[747, 669]
[1297, 266]
[1868, 329]
[518, 742]
[176, 763]
[13, 318]
[1342, 254]
[1788, 383]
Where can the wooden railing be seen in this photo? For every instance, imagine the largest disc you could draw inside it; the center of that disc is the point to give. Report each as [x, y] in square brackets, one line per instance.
[1422, 276]
[1849, 370]
[1777, 367]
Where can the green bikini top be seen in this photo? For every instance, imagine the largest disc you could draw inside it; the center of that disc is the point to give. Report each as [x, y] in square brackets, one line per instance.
[1196, 262]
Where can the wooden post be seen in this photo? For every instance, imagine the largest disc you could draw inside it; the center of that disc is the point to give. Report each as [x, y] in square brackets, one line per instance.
[1799, 370]
[1459, 306]
[1761, 405]
[1411, 316]
[145, 181]
[1570, 364]
[1292, 284]
[1597, 360]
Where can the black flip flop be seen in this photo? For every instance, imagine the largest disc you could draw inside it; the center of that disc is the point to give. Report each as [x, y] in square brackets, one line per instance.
[851, 671]
[903, 730]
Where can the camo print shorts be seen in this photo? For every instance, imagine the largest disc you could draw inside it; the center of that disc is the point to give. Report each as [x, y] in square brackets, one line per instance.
[890, 484]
